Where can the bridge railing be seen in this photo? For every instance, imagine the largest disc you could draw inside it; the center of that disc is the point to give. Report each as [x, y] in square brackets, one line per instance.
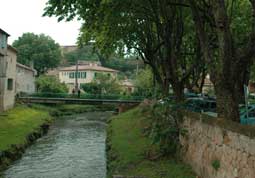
[84, 96]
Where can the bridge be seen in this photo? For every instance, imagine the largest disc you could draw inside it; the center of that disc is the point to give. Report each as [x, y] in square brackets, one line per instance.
[49, 100]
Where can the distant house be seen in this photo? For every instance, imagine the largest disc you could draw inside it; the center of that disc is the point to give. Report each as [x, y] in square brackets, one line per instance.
[86, 73]
[25, 79]
[208, 85]
[127, 86]
[8, 57]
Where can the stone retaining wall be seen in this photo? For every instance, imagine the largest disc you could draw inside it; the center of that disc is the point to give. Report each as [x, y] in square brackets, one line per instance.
[216, 152]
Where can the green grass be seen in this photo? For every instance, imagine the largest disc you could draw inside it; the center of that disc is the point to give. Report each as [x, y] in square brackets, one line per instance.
[129, 148]
[17, 123]
[70, 109]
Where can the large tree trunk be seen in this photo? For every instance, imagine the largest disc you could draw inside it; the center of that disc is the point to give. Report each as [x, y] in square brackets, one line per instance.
[227, 105]
[178, 89]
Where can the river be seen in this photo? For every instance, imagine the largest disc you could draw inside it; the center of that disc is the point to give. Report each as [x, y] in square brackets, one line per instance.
[73, 148]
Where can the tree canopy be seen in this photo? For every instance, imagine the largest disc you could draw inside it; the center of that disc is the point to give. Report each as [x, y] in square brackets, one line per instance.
[180, 40]
[102, 84]
[42, 50]
[49, 84]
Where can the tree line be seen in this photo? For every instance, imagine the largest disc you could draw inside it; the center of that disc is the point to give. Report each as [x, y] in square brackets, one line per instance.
[181, 40]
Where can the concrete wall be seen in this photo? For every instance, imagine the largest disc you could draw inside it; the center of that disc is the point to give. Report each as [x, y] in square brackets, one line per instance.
[213, 141]
[25, 79]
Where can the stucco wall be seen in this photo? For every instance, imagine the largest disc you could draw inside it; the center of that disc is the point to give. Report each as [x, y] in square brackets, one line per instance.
[90, 75]
[25, 80]
[7, 96]
[213, 141]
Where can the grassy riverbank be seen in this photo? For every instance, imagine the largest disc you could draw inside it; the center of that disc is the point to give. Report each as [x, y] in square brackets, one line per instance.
[16, 124]
[70, 109]
[130, 152]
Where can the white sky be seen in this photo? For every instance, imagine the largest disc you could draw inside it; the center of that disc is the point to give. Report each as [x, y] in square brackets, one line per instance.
[21, 16]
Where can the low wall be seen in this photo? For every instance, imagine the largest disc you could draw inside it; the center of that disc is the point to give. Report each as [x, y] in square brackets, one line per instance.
[216, 148]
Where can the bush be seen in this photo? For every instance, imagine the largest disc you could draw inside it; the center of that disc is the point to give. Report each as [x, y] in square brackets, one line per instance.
[49, 84]
[102, 84]
[165, 128]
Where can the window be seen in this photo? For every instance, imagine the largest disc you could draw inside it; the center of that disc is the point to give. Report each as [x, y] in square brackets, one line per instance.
[3, 41]
[78, 74]
[95, 74]
[83, 75]
[9, 84]
[71, 75]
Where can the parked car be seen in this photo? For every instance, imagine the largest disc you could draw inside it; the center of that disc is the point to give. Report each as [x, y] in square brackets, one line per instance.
[200, 104]
[246, 117]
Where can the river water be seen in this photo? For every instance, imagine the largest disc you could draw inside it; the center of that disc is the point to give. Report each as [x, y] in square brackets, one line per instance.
[73, 148]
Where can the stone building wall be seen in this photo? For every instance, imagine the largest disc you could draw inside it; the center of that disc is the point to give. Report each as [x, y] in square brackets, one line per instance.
[216, 149]
[25, 79]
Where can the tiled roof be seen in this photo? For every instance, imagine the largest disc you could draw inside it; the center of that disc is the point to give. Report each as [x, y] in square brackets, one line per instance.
[88, 67]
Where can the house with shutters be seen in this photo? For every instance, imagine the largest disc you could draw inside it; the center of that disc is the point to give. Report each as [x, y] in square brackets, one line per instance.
[85, 72]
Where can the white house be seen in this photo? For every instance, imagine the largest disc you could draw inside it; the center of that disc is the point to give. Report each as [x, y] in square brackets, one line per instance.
[86, 73]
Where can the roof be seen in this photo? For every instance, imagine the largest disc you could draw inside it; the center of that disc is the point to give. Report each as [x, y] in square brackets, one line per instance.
[2, 31]
[25, 67]
[127, 83]
[88, 67]
[53, 72]
[12, 49]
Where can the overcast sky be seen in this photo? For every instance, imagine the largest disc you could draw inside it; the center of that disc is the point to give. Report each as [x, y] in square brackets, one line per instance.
[21, 16]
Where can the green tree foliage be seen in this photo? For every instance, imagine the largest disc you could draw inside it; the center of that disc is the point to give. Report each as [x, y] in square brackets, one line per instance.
[85, 53]
[49, 84]
[102, 84]
[42, 50]
[176, 38]
[155, 30]
[227, 36]
[144, 82]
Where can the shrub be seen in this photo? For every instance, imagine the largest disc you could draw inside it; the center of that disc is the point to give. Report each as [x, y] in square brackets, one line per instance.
[165, 128]
[50, 84]
[216, 164]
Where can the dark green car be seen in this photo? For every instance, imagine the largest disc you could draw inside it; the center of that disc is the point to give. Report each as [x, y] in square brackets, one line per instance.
[200, 105]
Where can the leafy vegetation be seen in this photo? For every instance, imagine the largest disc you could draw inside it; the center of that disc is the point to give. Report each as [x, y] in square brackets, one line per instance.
[102, 84]
[216, 165]
[144, 83]
[130, 151]
[17, 123]
[70, 109]
[86, 53]
[49, 84]
[166, 128]
[41, 50]
[181, 41]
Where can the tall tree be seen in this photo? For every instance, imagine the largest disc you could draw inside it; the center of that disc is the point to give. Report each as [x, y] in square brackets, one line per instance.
[154, 28]
[228, 52]
[42, 50]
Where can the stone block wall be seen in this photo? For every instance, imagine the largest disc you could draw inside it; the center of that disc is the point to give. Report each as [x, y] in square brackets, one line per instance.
[215, 151]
